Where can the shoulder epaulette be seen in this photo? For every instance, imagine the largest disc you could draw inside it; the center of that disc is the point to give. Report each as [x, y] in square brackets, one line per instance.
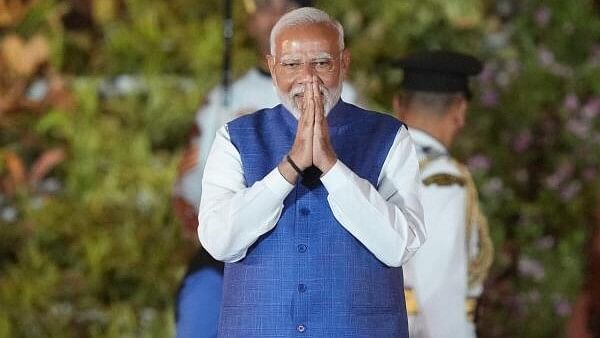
[444, 179]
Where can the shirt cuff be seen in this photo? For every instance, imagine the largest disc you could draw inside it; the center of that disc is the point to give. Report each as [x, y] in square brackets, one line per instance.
[277, 184]
[336, 177]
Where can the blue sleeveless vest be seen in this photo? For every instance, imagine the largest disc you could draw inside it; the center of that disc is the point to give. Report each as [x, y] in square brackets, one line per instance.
[309, 277]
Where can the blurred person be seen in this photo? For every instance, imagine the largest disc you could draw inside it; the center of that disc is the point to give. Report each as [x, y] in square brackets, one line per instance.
[199, 296]
[445, 277]
[313, 204]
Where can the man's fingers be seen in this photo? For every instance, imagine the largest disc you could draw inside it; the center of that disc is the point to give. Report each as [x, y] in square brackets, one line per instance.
[310, 105]
[318, 101]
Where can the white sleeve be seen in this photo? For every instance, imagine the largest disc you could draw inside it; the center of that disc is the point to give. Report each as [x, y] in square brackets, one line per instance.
[232, 216]
[387, 220]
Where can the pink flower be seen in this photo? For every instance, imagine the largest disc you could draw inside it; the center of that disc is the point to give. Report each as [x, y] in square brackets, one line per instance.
[571, 102]
[562, 307]
[542, 16]
[589, 174]
[479, 162]
[492, 187]
[545, 243]
[545, 57]
[579, 128]
[563, 173]
[489, 98]
[522, 142]
[488, 74]
[568, 193]
[591, 108]
[530, 267]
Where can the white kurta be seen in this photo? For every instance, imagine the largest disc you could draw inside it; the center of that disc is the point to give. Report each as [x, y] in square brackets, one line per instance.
[438, 271]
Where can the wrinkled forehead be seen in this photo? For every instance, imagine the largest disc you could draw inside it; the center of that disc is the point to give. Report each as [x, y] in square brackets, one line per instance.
[306, 56]
[310, 40]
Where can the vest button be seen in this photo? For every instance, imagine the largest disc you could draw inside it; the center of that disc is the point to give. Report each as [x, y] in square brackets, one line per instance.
[301, 288]
[304, 211]
[301, 328]
[302, 248]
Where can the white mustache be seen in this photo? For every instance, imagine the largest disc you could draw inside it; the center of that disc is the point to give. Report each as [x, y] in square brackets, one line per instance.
[299, 90]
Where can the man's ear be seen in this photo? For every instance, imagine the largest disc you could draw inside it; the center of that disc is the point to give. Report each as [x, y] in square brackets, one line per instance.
[271, 64]
[459, 112]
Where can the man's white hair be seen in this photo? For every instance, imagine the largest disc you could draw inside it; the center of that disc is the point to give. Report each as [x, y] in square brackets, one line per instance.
[305, 16]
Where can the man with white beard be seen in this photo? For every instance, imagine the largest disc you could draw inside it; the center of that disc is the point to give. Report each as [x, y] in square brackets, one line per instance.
[321, 257]
[199, 298]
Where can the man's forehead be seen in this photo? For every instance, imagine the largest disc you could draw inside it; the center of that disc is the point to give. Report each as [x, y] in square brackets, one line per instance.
[309, 54]
[312, 50]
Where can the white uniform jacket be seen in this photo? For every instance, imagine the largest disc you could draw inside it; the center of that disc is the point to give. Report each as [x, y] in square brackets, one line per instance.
[437, 277]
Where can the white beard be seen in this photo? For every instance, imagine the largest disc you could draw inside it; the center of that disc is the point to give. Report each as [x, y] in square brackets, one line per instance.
[330, 98]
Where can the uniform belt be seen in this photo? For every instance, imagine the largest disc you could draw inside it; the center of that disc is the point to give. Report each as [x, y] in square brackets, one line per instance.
[412, 306]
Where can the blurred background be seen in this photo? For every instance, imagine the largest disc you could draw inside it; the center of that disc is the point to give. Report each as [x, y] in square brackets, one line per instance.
[97, 98]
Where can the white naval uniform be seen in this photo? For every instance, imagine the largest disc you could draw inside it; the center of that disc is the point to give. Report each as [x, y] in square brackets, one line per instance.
[251, 92]
[438, 274]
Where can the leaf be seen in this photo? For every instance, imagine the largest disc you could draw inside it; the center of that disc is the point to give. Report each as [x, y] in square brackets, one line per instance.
[24, 58]
[13, 11]
[104, 11]
[464, 14]
[46, 162]
[15, 167]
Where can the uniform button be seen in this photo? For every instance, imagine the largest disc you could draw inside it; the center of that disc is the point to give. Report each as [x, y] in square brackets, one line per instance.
[301, 287]
[302, 248]
[301, 328]
[304, 211]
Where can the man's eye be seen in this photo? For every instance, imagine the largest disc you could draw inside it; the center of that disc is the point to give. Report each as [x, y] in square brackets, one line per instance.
[322, 64]
[291, 65]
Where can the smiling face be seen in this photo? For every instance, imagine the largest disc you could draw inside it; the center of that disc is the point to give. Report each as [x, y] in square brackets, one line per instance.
[302, 51]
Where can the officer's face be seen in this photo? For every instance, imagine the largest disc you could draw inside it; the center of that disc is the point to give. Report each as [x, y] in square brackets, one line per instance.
[303, 51]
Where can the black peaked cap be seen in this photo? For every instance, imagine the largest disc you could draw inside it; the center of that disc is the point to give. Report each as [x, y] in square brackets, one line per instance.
[439, 71]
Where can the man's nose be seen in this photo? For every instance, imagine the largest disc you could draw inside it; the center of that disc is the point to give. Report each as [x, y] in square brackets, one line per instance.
[306, 72]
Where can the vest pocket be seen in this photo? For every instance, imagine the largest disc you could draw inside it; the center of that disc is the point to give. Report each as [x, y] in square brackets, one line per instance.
[370, 303]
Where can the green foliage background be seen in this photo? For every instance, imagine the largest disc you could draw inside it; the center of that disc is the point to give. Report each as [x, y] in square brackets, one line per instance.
[94, 250]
